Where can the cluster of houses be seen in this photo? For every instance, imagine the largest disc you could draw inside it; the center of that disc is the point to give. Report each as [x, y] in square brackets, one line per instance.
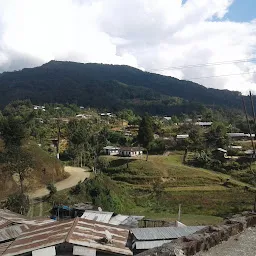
[123, 151]
[36, 107]
[94, 233]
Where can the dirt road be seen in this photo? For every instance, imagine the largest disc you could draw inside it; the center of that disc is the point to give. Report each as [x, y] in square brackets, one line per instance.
[76, 174]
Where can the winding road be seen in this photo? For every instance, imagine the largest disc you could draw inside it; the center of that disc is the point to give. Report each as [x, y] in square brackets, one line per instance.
[76, 174]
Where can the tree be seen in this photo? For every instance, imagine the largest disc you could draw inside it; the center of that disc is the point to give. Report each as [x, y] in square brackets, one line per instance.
[217, 136]
[145, 134]
[86, 140]
[52, 189]
[13, 131]
[18, 161]
[195, 141]
[18, 203]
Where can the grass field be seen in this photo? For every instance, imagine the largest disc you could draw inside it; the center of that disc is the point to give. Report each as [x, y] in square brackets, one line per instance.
[201, 192]
[156, 187]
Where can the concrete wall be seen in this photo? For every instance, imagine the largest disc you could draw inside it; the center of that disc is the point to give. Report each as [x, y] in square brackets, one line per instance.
[206, 238]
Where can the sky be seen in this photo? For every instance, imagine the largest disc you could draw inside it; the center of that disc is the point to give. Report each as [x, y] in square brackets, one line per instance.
[211, 42]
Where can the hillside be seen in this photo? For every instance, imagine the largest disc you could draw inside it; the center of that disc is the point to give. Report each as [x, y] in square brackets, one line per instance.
[37, 178]
[160, 184]
[110, 86]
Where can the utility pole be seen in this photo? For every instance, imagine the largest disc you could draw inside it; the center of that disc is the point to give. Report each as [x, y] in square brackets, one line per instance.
[254, 119]
[249, 126]
[179, 213]
[58, 140]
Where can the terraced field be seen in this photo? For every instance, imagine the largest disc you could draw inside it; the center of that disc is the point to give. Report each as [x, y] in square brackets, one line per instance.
[160, 184]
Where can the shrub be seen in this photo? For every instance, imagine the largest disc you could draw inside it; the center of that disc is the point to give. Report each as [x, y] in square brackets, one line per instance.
[18, 203]
[52, 189]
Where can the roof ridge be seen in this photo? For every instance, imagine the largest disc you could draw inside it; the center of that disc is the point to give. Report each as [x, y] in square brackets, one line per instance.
[71, 229]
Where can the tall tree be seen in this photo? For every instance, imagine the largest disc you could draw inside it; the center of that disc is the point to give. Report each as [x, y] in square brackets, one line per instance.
[195, 142]
[13, 131]
[17, 160]
[145, 134]
[217, 136]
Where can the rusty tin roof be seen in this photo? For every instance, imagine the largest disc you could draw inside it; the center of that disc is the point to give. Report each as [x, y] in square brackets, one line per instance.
[17, 218]
[78, 231]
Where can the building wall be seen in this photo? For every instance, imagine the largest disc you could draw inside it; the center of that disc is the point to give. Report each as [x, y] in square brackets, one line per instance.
[130, 153]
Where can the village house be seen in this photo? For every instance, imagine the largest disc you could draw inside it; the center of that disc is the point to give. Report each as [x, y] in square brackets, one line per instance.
[130, 151]
[72, 237]
[111, 150]
[203, 124]
[148, 238]
[240, 136]
[35, 107]
[220, 153]
[182, 136]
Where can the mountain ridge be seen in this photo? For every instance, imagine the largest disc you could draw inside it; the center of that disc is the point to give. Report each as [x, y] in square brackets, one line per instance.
[66, 81]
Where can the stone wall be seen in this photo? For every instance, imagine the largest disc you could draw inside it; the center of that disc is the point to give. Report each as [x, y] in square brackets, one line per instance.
[205, 238]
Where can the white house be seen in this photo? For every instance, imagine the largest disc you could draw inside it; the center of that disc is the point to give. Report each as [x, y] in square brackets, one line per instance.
[110, 150]
[182, 136]
[39, 107]
[130, 151]
[204, 123]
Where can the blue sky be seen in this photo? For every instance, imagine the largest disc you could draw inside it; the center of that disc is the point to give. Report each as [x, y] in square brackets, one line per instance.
[242, 10]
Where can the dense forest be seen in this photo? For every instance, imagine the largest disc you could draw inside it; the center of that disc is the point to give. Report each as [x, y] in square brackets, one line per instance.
[111, 87]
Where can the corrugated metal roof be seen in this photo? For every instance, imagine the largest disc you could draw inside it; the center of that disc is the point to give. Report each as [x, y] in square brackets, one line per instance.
[4, 223]
[4, 246]
[77, 231]
[222, 150]
[132, 221]
[111, 147]
[162, 233]
[90, 234]
[97, 216]
[203, 123]
[118, 219]
[182, 136]
[40, 237]
[12, 232]
[17, 218]
[145, 245]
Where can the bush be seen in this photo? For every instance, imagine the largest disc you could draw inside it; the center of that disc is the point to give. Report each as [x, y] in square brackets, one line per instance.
[52, 189]
[18, 203]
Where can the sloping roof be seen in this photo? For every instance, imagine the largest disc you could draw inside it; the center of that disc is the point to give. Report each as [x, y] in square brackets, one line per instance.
[182, 136]
[132, 149]
[249, 152]
[4, 246]
[90, 234]
[145, 245]
[78, 231]
[132, 221]
[97, 216]
[118, 219]
[203, 123]
[111, 148]
[4, 223]
[40, 237]
[163, 233]
[12, 232]
[17, 218]
[222, 150]
[240, 134]
[235, 147]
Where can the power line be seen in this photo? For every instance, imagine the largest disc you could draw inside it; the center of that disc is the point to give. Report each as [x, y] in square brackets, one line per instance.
[226, 75]
[207, 64]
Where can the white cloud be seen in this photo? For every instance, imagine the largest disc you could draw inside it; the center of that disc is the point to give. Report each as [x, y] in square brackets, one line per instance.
[148, 34]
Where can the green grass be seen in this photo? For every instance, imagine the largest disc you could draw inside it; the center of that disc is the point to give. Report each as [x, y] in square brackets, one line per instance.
[201, 192]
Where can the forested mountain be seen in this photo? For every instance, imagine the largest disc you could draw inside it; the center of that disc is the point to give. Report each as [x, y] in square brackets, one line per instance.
[110, 87]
